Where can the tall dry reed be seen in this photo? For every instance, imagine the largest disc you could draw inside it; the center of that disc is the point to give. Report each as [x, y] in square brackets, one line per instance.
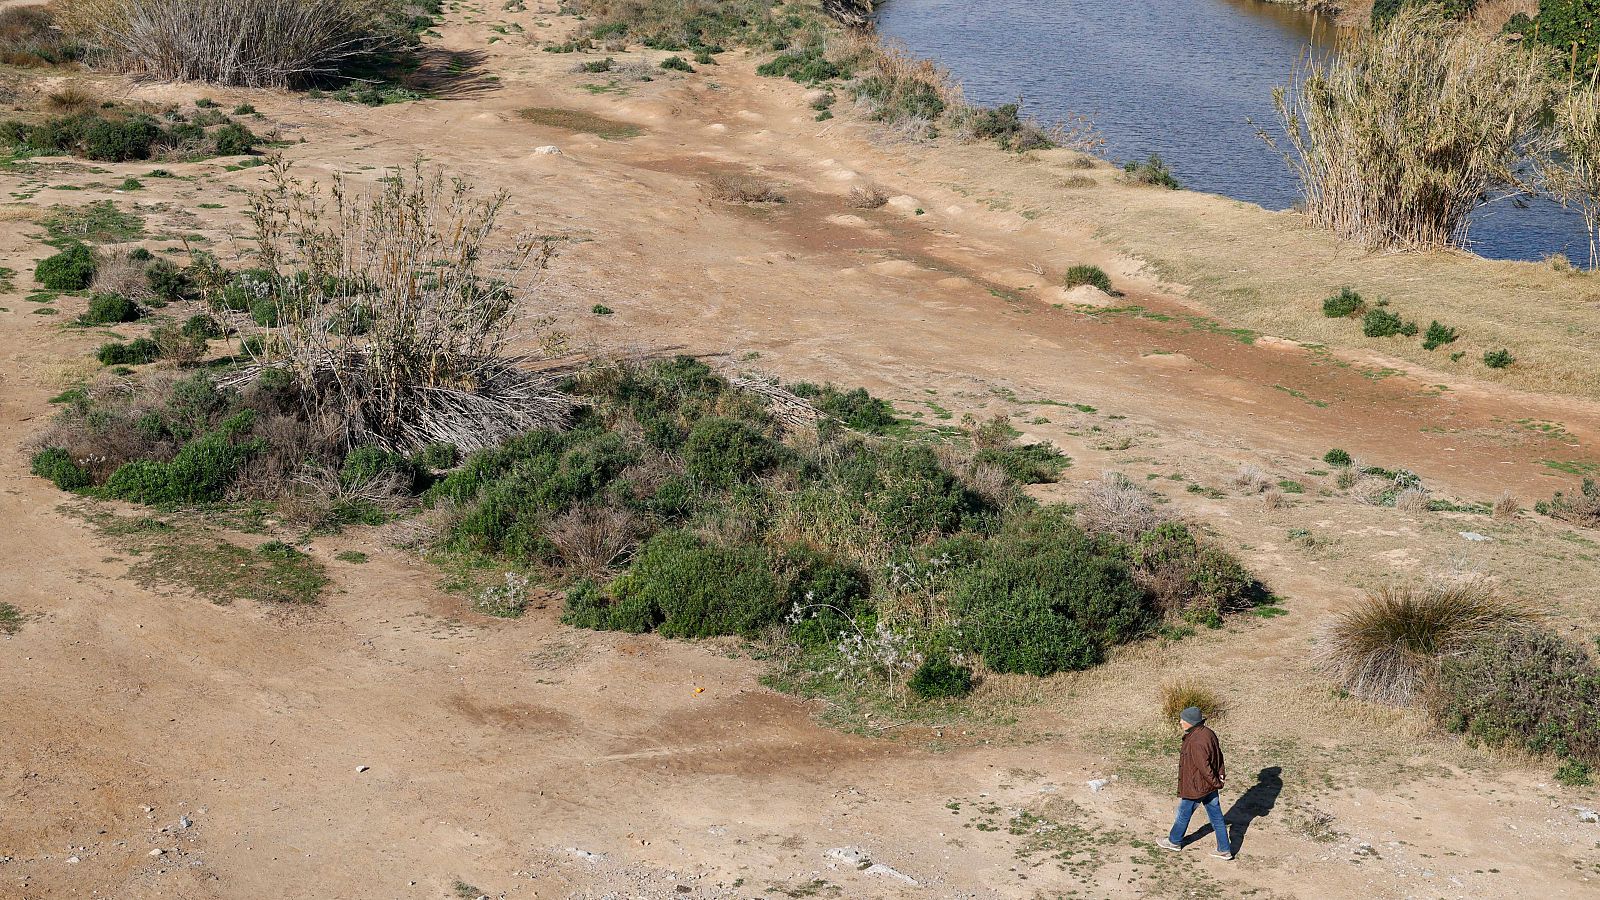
[249, 43]
[1409, 128]
[1571, 169]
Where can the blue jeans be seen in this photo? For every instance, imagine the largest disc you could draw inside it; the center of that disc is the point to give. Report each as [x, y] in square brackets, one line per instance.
[1213, 805]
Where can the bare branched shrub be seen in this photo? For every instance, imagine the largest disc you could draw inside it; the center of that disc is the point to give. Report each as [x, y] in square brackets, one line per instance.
[115, 273]
[250, 43]
[743, 189]
[396, 310]
[868, 197]
[1116, 505]
[1400, 136]
[1385, 646]
[1506, 507]
[1275, 500]
[593, 540]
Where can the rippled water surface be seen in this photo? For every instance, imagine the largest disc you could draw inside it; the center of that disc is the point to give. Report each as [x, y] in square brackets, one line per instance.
[1182, 78]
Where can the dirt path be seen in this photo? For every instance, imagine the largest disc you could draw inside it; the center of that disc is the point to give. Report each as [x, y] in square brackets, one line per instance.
[530, 760]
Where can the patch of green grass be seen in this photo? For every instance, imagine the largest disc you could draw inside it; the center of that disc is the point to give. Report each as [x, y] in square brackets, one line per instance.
[577, 120]
[11, 619]
[100, 223]
[1301, 395]
[7, 283]
[1572, 466]
[466, 891]
[223, 572]
[600, 309]
[351, 556]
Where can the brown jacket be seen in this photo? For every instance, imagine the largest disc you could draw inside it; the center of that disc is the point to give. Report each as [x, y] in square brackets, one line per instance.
[1200, 766]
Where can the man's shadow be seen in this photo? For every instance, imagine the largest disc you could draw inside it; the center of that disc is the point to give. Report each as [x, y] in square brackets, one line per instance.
[1253, 804]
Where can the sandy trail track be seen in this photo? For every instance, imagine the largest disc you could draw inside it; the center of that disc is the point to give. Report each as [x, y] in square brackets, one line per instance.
[499, 750]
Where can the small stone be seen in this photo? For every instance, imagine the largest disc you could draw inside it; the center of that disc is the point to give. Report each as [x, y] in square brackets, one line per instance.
[360, 769]
[1588, 815]
[547, 150]
[1474, 536]
[73, 860]
[184, 822]
[881, 869]
[157, 851]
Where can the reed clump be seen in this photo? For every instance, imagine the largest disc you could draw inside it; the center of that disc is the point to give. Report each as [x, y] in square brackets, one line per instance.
[248, 43]
[1409, 128]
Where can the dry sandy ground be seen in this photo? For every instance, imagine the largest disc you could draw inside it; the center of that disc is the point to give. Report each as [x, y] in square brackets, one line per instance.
[391, 743]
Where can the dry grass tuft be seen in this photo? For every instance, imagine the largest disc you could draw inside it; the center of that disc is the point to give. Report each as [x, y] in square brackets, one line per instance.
[1411, 500]
[1117, 505]
[593, 540]
[1385, 646]
[1180, 694]
[869, 197]
[117, 274]
[743, 189]
[1078, 181]
[1252, 480]
[1506, 507]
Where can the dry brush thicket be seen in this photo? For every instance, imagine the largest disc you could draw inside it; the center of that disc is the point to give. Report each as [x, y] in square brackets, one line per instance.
[250, 43]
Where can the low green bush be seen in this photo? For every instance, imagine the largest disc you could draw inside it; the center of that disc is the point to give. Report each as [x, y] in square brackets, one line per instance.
[136, 352]
[58, 465]
[110, 140]
[166, 280]
[807, 66]
[70, 270]
[202, 326]
[721, 451]
[1437, 336]
[1006, 126]
[439, 456]
[233, 139]
[1094, 276]
[110, 309]
[1344, 304]
[1153, 171]
[1498, 359]
[199, 473]
[855, 408]
[1382, 323]
[680, 587]
[369, 463]
[1523, 688]
[676, 64]
[1337, 457]
[938, 678]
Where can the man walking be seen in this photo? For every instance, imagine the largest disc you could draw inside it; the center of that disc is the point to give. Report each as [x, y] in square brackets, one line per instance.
[1201, 774]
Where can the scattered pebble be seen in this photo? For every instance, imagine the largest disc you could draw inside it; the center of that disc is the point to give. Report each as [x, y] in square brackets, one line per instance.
[157, 851]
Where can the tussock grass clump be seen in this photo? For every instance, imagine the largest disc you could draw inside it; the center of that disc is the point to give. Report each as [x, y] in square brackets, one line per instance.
[249, 43]
[1152, 171]
[1400, 136]
[1386, 646]
[1116, 505]
[1082, 274]
[743, 189]
[866, 197]
[1180, 694]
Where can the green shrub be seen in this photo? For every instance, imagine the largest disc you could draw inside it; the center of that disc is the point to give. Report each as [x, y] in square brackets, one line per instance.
[134, 353]
[676, 64]
[1039, 463]
[1437, 336]
[722, 451]
[1046, 601]
[58, 465]
[680, 587]
[233, 139]
[1093, 276]
[120, 141]
[202, 326]
[110, 309]
[199, 473]
[1005, 125]
[1570, 28]
[1153, 171]
[1524, 688]
[807, 66]
[855, 408]
[70, 270]
[1337, 457]
[166, 280]
[1498, 359]
[1380, 323]
[1385, 10]
[439, 455]
[1574, 774]
[939, 678]
[368, 463]
[1344, 304]
[266, 312]
[596, 66]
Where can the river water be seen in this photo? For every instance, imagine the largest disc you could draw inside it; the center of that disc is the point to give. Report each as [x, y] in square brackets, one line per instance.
[1182, 78]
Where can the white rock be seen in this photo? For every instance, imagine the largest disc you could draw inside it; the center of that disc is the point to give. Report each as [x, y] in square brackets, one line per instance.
[1474, 536]
[157, 851]
[881, 869]
[184, 822]
[855, 856]
[585, 854]
[1097, 785]
[72, 860]
[360, 769]
[1587, 815]
[547, 150]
